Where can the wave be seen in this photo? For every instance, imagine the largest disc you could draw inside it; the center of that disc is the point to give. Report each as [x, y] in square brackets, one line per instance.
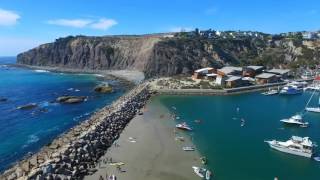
[32, 139]
[41, 71]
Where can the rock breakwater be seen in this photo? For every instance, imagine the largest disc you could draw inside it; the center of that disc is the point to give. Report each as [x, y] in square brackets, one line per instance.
[75, 153]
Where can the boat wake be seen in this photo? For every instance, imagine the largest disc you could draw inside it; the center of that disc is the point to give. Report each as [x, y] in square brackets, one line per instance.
[41, 71]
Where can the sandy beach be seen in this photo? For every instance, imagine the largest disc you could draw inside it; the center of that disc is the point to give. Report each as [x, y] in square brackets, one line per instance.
[155, 155]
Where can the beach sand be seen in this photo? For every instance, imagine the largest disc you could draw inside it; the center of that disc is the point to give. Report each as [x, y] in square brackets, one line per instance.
[155, 155]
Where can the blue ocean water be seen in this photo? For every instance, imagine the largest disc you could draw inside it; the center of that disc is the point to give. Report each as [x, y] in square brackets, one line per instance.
[236, 152]
[23, 131]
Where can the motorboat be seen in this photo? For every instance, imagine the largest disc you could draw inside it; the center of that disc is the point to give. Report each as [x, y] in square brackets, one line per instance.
[188, 148]
[184, 126]
[202, 172]
[270, 92]
[295, 120]
[315, 109]
[291, 90]
[300, 146]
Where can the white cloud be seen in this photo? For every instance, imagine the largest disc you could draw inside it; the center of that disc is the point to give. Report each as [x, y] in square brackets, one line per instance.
[100, 24]
[77, 23]
[179, 29]
[8, 18]
[104, 24]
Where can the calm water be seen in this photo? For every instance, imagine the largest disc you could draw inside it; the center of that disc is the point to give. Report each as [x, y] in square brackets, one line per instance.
[236, 152]
[23, 131]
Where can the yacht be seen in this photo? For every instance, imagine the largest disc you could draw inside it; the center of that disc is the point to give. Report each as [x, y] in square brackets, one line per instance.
[296, 120]
[271, 92]
[300, 146]
[291, 90]
[202, 172]
[314, 109]
[184, 126]
[188, 148]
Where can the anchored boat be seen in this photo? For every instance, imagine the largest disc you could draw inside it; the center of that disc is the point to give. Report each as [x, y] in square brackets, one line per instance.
[291, 90]
[313, 109]
[296, 145]
[295, 120]
[202, 172]
[188, 148]
[270, 92]
[184, 126]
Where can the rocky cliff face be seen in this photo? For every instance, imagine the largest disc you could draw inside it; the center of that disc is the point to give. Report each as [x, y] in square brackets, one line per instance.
[158, 56]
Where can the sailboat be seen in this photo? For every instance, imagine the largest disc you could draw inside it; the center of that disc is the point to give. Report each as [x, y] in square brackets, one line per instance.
[313, 109]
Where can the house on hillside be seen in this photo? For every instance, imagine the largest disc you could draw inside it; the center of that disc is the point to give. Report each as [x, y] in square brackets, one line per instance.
[201, 73]
[252, 71]
[229, 70]
[233, 81]
[282, 73]
[266, 78]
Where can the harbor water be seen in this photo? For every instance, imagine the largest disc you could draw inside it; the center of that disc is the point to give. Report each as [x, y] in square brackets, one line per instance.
[239, 152]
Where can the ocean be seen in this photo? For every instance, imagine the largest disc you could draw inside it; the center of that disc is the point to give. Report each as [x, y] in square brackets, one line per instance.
[25, 131]
[236, 152]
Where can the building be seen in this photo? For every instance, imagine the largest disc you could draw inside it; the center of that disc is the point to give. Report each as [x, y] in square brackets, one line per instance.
[266, 78]
[229, 70]
[233, 81]
[252, 71]
[200, 73]
[283, 73]
[211, 76]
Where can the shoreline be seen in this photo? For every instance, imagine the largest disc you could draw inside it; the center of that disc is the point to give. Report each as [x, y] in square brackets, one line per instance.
[75, 152]
[130, 76]
[153, 154]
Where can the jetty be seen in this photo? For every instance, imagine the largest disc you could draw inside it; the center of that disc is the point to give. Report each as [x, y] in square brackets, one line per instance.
[75, 153]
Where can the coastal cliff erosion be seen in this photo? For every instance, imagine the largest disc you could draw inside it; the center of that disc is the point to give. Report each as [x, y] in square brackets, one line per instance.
[75, 153]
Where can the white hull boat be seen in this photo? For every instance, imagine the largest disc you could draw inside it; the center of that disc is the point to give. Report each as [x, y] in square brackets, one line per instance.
[188, 148]
[296, 146]
[184, 126]
[271, 92]
[202, 172]
[313, 109]
[295, 120]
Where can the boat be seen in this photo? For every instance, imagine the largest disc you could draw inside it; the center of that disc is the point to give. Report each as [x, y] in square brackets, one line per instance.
[270, 92]
[112, 177]
[188, 148]
[313, 109]
[203, 160]
[179, 138]
[202, 172]
[300, 146]
[316, 158]
[184, 126]
[295, 120]
[291, 90]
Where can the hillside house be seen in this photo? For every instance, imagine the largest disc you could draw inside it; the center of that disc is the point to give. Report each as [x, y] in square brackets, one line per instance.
[266, 78]
[252, 71]
[229, 70]
[233, 81]
[282, 73]
[201, 73]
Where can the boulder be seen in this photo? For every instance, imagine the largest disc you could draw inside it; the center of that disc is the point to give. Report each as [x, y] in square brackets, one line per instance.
[2, 99]
[71, 99]
[103, 88]
[27, 106]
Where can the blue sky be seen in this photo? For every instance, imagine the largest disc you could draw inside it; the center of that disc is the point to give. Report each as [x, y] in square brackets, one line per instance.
[27, 23]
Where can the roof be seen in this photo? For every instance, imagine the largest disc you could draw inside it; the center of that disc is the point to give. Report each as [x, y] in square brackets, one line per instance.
[229, 69]
[255, 67]
[233, 78]
[265, 75]
[211, 75]
[203, 69]
[317, 78]
[279, 71]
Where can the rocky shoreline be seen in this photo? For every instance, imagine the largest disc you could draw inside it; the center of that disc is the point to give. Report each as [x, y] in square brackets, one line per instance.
[75, 153]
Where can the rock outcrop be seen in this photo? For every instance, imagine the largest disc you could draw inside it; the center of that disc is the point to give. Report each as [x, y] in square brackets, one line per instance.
[27, 106]
[71, 99]
[103, 88]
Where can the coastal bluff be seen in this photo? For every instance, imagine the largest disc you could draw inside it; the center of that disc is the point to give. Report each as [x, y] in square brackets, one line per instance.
[75, 153]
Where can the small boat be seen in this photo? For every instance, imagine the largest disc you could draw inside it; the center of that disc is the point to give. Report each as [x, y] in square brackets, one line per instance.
[296, 120]
[188, 148]
[197, 121]
[316, 158]
[291, 90]
[116, 164]
[179, 138]
[300, 146]
[184, 126]
[202, 172]
[271, 92]
[203, 160]
[313, 109]
[112, 177]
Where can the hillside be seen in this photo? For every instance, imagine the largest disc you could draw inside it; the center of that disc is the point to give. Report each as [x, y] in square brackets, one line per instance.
[163, 56]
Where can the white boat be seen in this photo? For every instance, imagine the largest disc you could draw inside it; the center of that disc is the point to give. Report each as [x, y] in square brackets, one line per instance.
[271, 92]
[296, 145]
[184, 126]
[112, 177]
[291, 90]
[313, 109]
[202, 172]
[296, 119]
[188, 148]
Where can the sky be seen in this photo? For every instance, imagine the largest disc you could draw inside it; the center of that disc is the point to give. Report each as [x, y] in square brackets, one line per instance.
[25, 24]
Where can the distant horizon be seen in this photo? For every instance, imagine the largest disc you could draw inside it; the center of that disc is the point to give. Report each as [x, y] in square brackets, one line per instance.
[24, 25]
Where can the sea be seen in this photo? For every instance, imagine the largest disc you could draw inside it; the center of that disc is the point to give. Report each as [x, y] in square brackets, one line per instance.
[25, 131]
[236, 152]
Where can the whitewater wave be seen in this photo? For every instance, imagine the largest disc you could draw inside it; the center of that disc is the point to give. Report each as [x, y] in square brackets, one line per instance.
[32, 139]
[41, 71]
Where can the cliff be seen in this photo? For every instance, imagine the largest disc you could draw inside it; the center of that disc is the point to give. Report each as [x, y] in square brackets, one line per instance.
[160, 56]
